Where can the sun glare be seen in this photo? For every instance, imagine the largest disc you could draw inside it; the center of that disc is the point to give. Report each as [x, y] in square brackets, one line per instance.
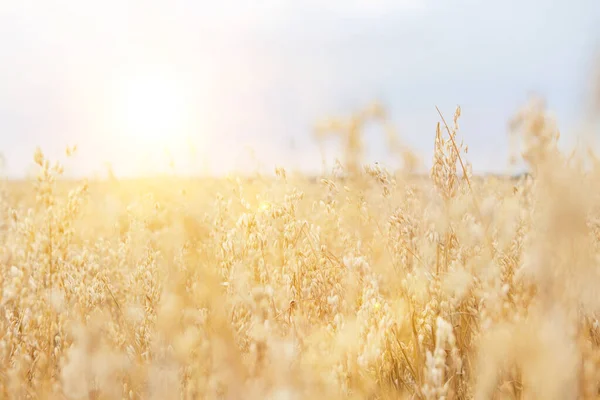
[150, 118]
[151, 110]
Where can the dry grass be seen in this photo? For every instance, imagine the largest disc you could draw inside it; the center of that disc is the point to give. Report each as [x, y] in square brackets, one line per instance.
[373, 286]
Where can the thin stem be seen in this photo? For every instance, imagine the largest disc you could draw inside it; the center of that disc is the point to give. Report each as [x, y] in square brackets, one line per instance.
[462, 165]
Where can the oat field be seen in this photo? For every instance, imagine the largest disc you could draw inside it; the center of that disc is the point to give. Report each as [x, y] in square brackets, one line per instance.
[378, 285]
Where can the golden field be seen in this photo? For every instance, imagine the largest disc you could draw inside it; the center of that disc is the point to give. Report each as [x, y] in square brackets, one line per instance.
[376, 286]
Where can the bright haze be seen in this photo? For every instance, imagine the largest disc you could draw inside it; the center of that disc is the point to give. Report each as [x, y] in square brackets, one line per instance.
[195, 86]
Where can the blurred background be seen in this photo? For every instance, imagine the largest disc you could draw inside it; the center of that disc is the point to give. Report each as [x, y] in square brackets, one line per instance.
[214, 87]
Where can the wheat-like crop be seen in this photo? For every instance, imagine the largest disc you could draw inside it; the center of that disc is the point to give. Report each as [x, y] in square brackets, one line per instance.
[364, 284]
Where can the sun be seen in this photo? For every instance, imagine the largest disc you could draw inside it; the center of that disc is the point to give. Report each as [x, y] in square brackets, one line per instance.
[150, 120]
[151, 110]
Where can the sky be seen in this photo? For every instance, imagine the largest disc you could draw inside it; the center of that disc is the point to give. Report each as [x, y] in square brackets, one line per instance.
[253, 77]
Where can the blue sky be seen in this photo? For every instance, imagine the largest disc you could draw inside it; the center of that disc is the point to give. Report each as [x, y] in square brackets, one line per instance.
[259, 74]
